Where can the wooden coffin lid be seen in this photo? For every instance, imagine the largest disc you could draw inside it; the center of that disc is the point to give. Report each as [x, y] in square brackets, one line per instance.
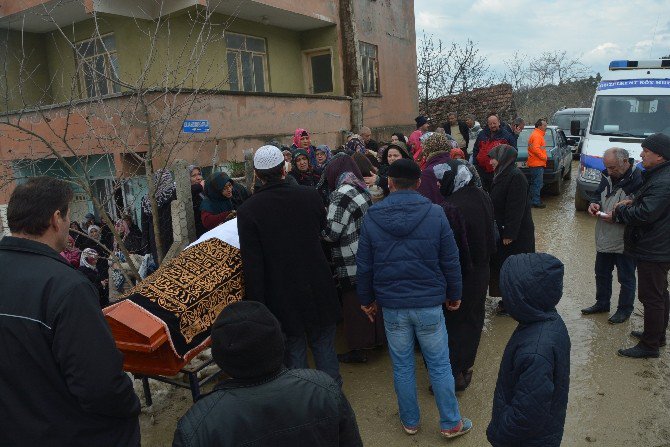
[133, 329]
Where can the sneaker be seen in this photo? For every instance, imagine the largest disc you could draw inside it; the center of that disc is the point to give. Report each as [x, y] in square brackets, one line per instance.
[639, 352]
[355, 356]
[595, 309]
[462, 428]
[638, 335]
[618, 317]
[410, 430]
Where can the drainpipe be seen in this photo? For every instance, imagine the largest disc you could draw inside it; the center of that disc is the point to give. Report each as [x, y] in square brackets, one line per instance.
[353, 71]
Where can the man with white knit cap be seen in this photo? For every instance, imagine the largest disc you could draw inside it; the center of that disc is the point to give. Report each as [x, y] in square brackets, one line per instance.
[285, 267]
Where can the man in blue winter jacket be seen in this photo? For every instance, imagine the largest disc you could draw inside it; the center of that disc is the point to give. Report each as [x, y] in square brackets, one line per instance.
[407, 263]
[531, 395]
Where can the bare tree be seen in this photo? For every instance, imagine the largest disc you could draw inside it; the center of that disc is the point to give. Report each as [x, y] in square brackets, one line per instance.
[467, 69]
[110, 113]
[432, 66]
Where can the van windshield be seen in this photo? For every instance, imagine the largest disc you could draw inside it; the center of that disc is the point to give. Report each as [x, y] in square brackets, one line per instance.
[631, 116]
[562, 120]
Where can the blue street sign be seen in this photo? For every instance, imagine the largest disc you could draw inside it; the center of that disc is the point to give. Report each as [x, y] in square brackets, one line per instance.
[195, 126]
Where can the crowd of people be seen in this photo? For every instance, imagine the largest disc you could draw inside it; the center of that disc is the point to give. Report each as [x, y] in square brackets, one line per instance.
[401, 241]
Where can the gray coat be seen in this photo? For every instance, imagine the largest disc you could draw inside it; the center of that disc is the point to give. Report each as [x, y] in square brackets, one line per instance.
[609, 236]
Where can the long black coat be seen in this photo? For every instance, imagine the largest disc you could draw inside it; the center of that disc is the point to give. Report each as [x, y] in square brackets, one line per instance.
[511, 206]
[60, 374]
[284, 264]
[165, 226]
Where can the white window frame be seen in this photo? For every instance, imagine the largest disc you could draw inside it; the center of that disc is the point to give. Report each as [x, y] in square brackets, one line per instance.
[307, 65]
[375, 67]
[238, 53]
[109, 75]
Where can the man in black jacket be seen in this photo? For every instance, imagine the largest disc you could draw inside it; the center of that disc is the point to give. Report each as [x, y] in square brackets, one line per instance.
[285, 267]
[264, 404]
[647, 219]
[61, 376]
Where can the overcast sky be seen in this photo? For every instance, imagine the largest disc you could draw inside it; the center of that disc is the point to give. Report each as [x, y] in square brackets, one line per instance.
[595, 31]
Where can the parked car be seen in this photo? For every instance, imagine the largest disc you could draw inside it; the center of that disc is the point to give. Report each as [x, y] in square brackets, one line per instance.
[559, 157]
[562, 120]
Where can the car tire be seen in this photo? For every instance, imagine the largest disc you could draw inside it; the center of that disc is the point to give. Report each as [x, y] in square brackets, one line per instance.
[555, 188]
[568, 172]
[580, 204]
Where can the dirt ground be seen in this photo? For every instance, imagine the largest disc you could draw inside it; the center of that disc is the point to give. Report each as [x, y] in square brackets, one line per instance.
[613, 401]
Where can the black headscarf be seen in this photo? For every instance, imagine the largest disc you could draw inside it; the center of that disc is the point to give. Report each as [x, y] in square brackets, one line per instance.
[506, 156]
[215, 202]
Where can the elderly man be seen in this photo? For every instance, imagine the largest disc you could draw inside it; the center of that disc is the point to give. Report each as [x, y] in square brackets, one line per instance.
[370, 144]
[493, 135]
[473, 129]
[458, 130]
[647, 219]
[620, 180]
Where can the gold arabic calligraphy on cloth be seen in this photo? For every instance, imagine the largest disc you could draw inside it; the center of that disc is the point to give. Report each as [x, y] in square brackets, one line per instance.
[196, 285]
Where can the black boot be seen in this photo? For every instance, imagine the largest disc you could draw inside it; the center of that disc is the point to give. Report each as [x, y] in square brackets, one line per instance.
[619, 316]
[639, 352]
[596, 309]
[638, 335]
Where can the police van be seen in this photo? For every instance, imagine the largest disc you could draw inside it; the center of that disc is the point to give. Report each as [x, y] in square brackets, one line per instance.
[632, 101]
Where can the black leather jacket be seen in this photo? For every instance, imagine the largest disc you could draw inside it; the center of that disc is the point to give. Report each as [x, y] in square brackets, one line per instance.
[299, 407]
[647, 219]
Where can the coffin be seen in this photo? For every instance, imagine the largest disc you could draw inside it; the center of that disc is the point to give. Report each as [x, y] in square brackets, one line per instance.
[144, 342]
[164, 321]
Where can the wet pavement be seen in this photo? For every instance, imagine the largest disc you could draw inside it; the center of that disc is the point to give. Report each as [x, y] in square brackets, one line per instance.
[613, 401]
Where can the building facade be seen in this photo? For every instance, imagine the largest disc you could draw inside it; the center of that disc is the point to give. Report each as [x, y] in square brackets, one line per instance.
[89, 88]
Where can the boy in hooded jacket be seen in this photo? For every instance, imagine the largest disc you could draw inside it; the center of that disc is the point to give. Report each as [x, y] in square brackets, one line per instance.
[531, 394]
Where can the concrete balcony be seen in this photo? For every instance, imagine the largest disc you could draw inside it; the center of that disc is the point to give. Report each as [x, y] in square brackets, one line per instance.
[40, 16]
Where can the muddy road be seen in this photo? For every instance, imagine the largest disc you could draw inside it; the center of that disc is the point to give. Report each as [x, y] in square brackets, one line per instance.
[613, 401]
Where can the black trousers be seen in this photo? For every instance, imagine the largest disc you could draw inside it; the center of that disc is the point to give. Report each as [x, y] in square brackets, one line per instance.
[653, 294]
[464, 326]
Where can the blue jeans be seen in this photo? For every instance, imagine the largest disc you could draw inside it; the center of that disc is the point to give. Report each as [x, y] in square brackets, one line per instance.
[427, 325]
[536, 182]
[625, 269]
[322, 344]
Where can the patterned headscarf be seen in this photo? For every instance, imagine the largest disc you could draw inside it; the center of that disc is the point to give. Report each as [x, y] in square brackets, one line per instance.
[456, 177]
[355, 145]
[436, 142]
[165, 189]
[325, 149]
[87, 253]
[340, 164]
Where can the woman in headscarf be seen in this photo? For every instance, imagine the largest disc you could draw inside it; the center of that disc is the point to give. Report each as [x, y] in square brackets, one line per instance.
[322, 157]
[302, 170]
[165, 193]
[303, 140]
[349, 201]
[459, 188]
[511, 204]
[355, 145]
[457, 154]
[197, 193]
[398, 137]
[436, 150]
[392, 153]
[89, 265]
[223, 197]
[71, 253]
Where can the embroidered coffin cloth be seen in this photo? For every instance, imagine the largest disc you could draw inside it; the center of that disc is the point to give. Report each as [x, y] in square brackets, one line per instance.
[188, 292]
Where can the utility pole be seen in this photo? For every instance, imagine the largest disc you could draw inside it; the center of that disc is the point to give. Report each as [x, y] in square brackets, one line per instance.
[353, 71]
